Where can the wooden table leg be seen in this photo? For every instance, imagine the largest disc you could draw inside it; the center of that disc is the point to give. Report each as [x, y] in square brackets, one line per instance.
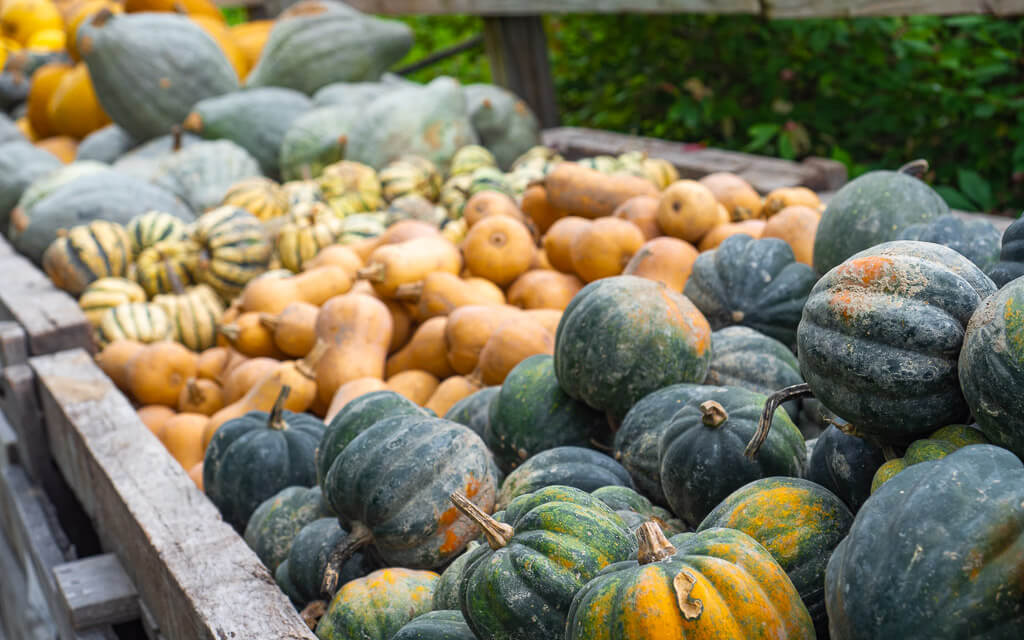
[518, 52]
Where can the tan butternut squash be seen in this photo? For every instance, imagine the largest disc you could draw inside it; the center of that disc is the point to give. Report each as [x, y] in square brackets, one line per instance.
[426, 351]
[363, 248]
[154, 416]
[715, 237]
[211, 362]
[416, 385]
[341, 256]
[547, 318]
[201, 396]
[315, 286]
[294, 329]
[350, 391]
[115, 359]
[796, 225]
[183, 437]
[779, 199]
[449, 392]
[405, 230]
[604, 248]
[159, 372]
[439, 293]
[688, 211]
[735, 194]
[510, 344]
[402, 324]
[357, 330]
[195, 474]
[364, 288]
[557, 242]
[467, 331]
[666, 259]
[544, 289]
[490, 203]
[250, 336]
[585, 192]
[643, 212]
[393, 265]
[499, 249]
[239, 380]
[537, 208]
[540, 260]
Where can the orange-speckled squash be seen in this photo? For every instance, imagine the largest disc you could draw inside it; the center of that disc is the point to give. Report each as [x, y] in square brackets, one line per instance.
[783, 197]
[467, 331]
[294, 329]
[499, 249]
[797, 226]
[357, 330]
[735, 194]
[715, 237]
[415, 384]
[557, 242]
[538, 209]
[643, 212]
[377, 606]
[392, 265]
[665, 259]
[440, 293]
[585, 192]
[510, 344]
[160, 371]
[688, 211]
[200, 396]
[427, 351]
[115, 359]
[544, 289]
[449, 392]
[604, 248]
[315, 286]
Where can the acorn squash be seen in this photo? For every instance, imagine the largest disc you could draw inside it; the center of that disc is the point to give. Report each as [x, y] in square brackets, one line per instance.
[844, 464]
[743, 357]
[275, 523]
[377, 606]
[579, 467]
[1011, 255]
[314, 140]
[976, 240]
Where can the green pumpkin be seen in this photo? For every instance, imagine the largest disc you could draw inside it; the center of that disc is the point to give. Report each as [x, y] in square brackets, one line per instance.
[754, 283]
[701, 452]
[869, 210]
[623, 337]
[276, 522]
[584, 469]
[436, 625]
[152, 227]
[314, 140]
[106, 145]
[235, 249]
[532, 413]
[446, 596]
[954, 569]
[719, 583]
[375, 607]
[253, 457]
[474, 410]
[87, 253]
[624, 500]
[743, 357]
[976, 240]
[938, 445]
[798, 522]
[202, 173]
[880, 335]
[844, 464]
[1011, 254]
[522, 584]
[301, 572]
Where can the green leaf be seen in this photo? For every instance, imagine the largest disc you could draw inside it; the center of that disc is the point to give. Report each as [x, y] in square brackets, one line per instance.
[955, 199]
[760, 135]
[975, 187]
[786, 149]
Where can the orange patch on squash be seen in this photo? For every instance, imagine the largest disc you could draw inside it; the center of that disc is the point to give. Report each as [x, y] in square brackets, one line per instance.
[472, 487]
[448, 517]
[867, 270]
[451, 542]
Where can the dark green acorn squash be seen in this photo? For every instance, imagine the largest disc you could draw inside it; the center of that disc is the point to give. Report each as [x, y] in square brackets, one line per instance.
[798, 522]
[474, 411]
[253, 457]
[880, 336]
[302, 571]
[375, 607]
[446, 596]
[532, 414]
[584, 469]
[976, 240]
[148, 69]
[555, 540]
[743, 357]
[954, 569]
[624, 337]
[1011, 255]
[624, 500]
[869, 210]
[105, 145]
[21, 163]
[314, 140]
[844, 464]
[504, 123]
[276, 522]
[936, 446]
[754, 283]
[202, 173]
[436, 625]
[315, 43]
[701, 452]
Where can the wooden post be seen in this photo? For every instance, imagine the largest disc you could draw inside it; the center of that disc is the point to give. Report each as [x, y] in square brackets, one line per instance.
[518, 52]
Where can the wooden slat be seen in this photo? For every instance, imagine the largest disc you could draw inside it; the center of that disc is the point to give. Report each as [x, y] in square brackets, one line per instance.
[518, 53]
[859, 8]
[13, 344]
[18, 616]
[8, 443]
[96, 590]
[193, 571]
[537, 7]
[19, 402]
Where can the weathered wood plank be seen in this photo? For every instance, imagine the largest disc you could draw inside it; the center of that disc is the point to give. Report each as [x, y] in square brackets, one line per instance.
[192, 570]
[19, 402]
[20, 618]
[13, 344]
[96, 590]
[858, 8]
[537, 7]
[518, 52]
[8, 443]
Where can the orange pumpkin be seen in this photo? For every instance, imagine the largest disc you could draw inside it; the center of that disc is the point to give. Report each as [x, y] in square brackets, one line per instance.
[201, 396]
[183, 437]
[490, 203]
[76, 13]
[468, 330]
[582, 191]
[498, 248]
[190, 7]
[216, 29]
[294, 329]
[441, 292]
[510, 344]
[19, 19]
[538, 209]
[717, 236]
[154, 416]
[415, 384]
[115, 359]
[160, 371]
[237, 382]
[63, 147]
[44, 83]
[426, 351]
[779, 199]
[557, 242]
[449, 392]
[666, 259]
[250, 37]
[73, 109]
[212, 362]
[350, 391]
[357, 330]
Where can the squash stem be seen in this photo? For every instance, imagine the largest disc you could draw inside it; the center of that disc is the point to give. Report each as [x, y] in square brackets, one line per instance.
[916, 168]
[372, 272]
[409, 292]
[312, 613]
[229, 331]
[307, 366]
[176, 138]
[269, 321]
[359, 536]
[498, 534]
[764, 425]
[277, 422]
[654, 546]
[195, 394]
[713, 414]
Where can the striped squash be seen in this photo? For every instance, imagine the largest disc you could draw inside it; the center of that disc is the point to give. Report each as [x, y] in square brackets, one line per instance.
[235, 249]
[167, 266]
[360, 226]
[297, 244]
[410, 175]
[302, 191]
[139, 321]
[152, 227]
[107, 293]
[351, 187]
[470, 158]
[193, 315]
[87, 253]
[262, 197]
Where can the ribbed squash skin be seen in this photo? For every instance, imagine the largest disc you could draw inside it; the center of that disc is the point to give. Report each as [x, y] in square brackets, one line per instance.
[201, 174]
[87, 253]
[150, 68]
[626, 502]
[976, 240]
[578, 467]
[742, 592]
[532, 413]
[954, 569]
[302, 571]
[314, 140]
[474, 411]
[152, 227]
[743, 357]
[235, 247]
[275, 523]
[107, 293]
[701, 464]
[623, 337]
[880, 336]
[436, 625]
[798, 522]
[446, 596]
[20, 164]
[755, 283]
[248, 461]
[844, 465]
[563, 538]
[140, 321]
[377, 606]
[1011, 255]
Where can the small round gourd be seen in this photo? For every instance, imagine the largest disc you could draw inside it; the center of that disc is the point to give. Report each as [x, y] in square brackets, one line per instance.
[151, 227]
[139, 321]
[167, 265]
[262, 197]
[235, 249]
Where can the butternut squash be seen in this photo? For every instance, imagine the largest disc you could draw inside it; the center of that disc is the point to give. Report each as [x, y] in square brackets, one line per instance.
[715, 237]
[467, 332]
[557, 242]
[426, 351]
[796, 225]
[183, 437]
[315, 286]
[201, 396]
[643, 212]
[490, 203]
[154, 416]
[547, 318]
[449, 392]
[510, 344]
[666, 259]
[212, 362]
[294, 329]
[239, 380]
[402, 324]
[393, 265]
[439, 293]
[350, 391]
[115, 359]
[537, 208]
[357, 330]
[735, 194]
[499, 249]
[250, 336]
[416, 385]
[544, 289]
[159, 372]
[604, 248]
[585, 192]
[195, 474]
[540, 261]
[338, 255]
[364, 288]
[688, 210]
[784, 197]
[363, 248]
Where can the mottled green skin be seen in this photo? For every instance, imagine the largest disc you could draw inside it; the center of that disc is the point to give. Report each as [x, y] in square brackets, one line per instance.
[624, 500]
[701, 465]
[960, 435]
[1011, 255]
[395, 479]
[992, 367]
[844, 465]
[799, 522]
[314, 140]
[436, 625]
[532, 414]
[563, 538]
[976, 240]
[880, 336]
[744, 357]
[869, 210]
[754, 283]
[302, 572]
[201, 174]
[248, 462]
[354, 418]
[938, 445]
[377, 606]
[276, 522]
[474, 411]
[579, 467]
[636, 442]
[21, 163]
[624, 337]
[953, 570]
[446, 595]
[105, 145]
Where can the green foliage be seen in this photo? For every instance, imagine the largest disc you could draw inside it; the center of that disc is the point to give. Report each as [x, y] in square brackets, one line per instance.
[434, 33]
[235, 15]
